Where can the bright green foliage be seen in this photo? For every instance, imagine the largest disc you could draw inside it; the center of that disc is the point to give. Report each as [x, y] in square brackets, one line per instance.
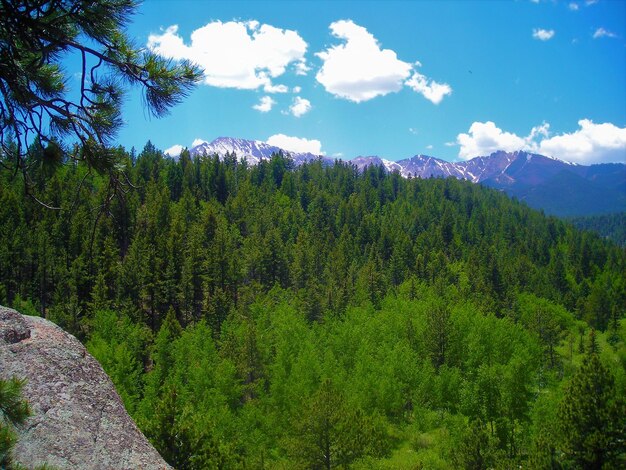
[276, 317]
[476, 449]
[329, 434]
[120, 346]
[13, 412]
[188, 395]
[547, 320]
[593, 431]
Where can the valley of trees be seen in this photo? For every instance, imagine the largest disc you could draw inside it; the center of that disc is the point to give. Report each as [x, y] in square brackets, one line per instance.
[318, 317]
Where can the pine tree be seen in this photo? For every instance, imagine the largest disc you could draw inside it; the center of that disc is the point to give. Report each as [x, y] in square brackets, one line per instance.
[475, 451]
[437, 334]
[34, 98]
[330, 434]
[593, 431]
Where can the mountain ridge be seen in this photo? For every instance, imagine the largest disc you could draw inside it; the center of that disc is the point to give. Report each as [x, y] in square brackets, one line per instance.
[556, 186]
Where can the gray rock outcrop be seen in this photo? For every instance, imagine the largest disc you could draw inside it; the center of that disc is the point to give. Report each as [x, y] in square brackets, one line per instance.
[78, 418]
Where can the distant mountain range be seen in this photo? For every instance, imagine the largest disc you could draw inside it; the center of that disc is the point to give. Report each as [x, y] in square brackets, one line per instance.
[252, 150]
[555, 186]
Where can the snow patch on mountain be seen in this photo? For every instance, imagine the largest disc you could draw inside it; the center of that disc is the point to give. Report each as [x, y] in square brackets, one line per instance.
[253, 151]
[500, 168]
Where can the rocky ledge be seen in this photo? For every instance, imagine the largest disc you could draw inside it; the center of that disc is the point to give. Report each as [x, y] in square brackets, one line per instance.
[78, 418]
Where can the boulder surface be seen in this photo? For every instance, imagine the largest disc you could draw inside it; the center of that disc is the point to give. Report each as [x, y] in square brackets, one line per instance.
[78, 418]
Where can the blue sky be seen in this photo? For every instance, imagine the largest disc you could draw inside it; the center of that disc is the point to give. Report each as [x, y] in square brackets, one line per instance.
[452, 79]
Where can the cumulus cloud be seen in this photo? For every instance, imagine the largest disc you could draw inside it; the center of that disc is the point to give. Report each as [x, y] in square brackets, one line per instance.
[245, 55]
[591, 143]
[265, 104]
[198, 141]
[296, 144]
[485, 138]
[573, 6]
[603, 33]
[359, 69]
[430, 89]
[296, 89]
[300, 106]
[543, 34]
[174, 150]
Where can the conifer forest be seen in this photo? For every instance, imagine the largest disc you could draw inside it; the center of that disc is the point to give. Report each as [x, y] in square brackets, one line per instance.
[281, 306]
[321, 317]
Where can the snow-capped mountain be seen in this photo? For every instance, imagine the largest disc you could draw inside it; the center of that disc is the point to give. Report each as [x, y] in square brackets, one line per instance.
[363, 162]
[252, 150]
[547, 183]
[424, 166]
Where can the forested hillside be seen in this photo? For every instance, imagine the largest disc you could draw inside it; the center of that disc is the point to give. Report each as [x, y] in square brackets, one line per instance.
[609, 226]
[322, 317]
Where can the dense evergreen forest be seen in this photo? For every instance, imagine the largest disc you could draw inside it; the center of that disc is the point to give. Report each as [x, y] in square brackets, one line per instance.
[319, 317]
[609, 226]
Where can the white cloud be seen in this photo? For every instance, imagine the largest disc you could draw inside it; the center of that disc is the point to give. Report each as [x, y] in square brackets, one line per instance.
[485, 138]
[430, 89]
[603, 33]
[543, 34]
[296, 144]
[573, 6]
[174, 150]
[590, 2]
[358, 69]
[429, 147]
[302, 68]
[265, 104]
[245, 55]
[300, 106]
[450, 144]
[269, 88]
[541, 130]
[296, 89]
[591, 143]
[198, 141]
